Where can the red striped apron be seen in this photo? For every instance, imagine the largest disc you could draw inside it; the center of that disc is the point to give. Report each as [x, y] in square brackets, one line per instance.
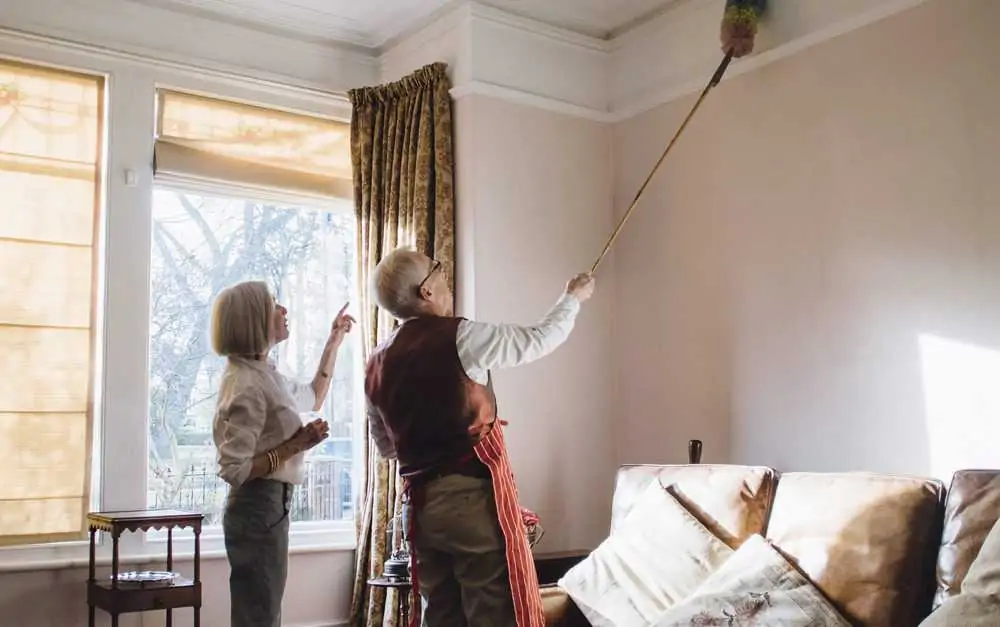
[492, 451]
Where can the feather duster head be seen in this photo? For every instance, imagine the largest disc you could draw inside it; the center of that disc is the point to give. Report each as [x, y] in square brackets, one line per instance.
[739, 25]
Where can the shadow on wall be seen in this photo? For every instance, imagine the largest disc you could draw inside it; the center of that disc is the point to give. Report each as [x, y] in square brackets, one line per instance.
[961, 383]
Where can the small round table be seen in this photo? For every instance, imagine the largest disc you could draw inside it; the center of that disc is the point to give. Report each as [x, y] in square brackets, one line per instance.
[402, 588]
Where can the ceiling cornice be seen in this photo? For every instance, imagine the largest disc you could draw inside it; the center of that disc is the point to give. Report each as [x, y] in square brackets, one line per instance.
[490, 52]
[668, 56]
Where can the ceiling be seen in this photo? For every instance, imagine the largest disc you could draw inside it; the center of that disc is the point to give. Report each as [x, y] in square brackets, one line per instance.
[370, 23]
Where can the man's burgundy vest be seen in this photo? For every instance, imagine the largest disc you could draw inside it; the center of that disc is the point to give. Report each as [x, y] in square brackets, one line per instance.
[416, 381]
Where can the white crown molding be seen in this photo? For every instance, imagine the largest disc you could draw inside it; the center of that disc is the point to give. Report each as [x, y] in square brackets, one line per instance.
[172, 37]
[686, 37]
[489, 52]
[516, 96]
[495, 54]
[12, 41]
[443, 38]
[297, 29]
[500, 17]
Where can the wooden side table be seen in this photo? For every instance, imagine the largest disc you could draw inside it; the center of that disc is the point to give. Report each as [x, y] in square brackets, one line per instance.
[402, 588]
[116, 599]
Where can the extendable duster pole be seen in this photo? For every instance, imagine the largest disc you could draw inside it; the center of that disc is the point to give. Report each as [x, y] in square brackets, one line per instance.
[737, 33]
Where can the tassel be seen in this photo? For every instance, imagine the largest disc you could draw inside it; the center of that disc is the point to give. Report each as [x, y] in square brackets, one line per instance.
[739, 26]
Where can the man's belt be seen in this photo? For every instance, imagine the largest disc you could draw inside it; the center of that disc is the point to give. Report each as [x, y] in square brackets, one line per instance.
[469, 466]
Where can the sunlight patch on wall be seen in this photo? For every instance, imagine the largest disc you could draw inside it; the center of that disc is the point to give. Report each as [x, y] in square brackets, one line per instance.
[962, 404]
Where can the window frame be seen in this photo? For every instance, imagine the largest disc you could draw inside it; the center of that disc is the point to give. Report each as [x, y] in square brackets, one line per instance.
[122, 348]
[302, 533]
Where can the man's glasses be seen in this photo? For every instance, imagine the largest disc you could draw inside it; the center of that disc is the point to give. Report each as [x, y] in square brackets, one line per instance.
[435, 266]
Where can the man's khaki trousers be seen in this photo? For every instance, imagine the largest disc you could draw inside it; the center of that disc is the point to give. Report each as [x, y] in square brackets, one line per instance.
[461, 563]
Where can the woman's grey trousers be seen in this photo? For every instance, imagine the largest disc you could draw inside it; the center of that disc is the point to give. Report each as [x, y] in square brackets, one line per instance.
[255, 525]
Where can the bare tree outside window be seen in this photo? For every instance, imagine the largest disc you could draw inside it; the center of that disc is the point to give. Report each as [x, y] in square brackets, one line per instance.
[201, 244]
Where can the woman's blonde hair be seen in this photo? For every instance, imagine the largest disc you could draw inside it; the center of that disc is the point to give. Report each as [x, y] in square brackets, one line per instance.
[241, 320]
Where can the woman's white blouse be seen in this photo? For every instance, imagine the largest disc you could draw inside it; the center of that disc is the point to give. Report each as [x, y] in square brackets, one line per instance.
[257, 409]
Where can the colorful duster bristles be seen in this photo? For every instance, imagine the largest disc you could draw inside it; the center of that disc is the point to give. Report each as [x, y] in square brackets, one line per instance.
[739, 25]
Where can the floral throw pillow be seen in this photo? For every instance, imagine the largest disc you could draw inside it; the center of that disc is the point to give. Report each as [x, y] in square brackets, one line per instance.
[755, 587]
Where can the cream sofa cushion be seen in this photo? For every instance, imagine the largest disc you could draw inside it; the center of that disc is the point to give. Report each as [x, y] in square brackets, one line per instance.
[656, 556]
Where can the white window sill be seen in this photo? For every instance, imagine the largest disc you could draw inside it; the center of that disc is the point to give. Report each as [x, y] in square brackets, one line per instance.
[137, 550]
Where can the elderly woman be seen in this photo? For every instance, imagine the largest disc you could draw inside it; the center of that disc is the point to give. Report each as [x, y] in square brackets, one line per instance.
[261, 442]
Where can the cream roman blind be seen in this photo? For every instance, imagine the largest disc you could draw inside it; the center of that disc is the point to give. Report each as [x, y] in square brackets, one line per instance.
[50, 165]
[230, 142]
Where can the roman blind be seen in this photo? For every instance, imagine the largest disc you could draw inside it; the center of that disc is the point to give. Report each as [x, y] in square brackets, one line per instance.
[50, 171]
[215, 140]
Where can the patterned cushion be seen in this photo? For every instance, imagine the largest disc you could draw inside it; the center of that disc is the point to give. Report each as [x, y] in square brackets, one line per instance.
[757, 586]
[657, 556]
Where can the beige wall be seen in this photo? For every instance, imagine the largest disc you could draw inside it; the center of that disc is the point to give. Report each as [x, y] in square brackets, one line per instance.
[812, 280]
[534, 196]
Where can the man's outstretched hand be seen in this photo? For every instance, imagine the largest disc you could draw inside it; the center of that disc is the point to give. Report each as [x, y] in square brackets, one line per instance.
[581, 286]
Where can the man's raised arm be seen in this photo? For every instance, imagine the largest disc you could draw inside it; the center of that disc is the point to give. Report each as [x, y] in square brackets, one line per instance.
[483, 346]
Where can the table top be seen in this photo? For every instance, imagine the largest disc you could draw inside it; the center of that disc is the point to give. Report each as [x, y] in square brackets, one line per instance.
[145, 519]
[390, 582]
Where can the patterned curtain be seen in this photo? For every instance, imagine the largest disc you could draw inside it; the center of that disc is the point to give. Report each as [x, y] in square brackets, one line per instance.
[402, 160]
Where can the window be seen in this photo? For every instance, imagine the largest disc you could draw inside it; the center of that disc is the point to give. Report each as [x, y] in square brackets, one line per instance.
[202, 243]
[51, 137]
[245, 193]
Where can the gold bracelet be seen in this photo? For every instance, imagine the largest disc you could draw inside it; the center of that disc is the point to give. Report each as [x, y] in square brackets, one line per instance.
[272, 461]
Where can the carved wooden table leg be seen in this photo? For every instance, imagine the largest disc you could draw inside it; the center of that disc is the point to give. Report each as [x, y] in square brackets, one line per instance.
[170, 569]
[115, 537]
[92, 578]
[197, 574]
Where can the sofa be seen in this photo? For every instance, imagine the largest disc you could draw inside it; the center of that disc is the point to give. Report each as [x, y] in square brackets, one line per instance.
[884, 550]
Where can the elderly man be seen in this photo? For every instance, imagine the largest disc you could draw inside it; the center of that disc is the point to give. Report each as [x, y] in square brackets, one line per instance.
[431, 407]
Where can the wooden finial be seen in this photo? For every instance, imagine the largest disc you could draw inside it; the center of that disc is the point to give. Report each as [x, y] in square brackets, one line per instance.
[694, 451]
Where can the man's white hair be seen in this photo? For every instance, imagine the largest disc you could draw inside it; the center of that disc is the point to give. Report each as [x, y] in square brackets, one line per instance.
[395, 279]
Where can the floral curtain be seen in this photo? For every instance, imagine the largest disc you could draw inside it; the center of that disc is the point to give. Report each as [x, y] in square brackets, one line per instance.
[402, 162]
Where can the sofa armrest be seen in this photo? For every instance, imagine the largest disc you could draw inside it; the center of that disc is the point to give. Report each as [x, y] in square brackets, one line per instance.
[560, 611]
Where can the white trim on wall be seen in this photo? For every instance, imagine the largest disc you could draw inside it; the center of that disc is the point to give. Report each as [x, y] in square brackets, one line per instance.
[489, 52]
[16, 43]
[685, 38]
[153, 32]
[538, 101]
[665, 58]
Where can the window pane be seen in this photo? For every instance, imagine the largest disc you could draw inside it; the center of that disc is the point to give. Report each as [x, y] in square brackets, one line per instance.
[202, 244]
